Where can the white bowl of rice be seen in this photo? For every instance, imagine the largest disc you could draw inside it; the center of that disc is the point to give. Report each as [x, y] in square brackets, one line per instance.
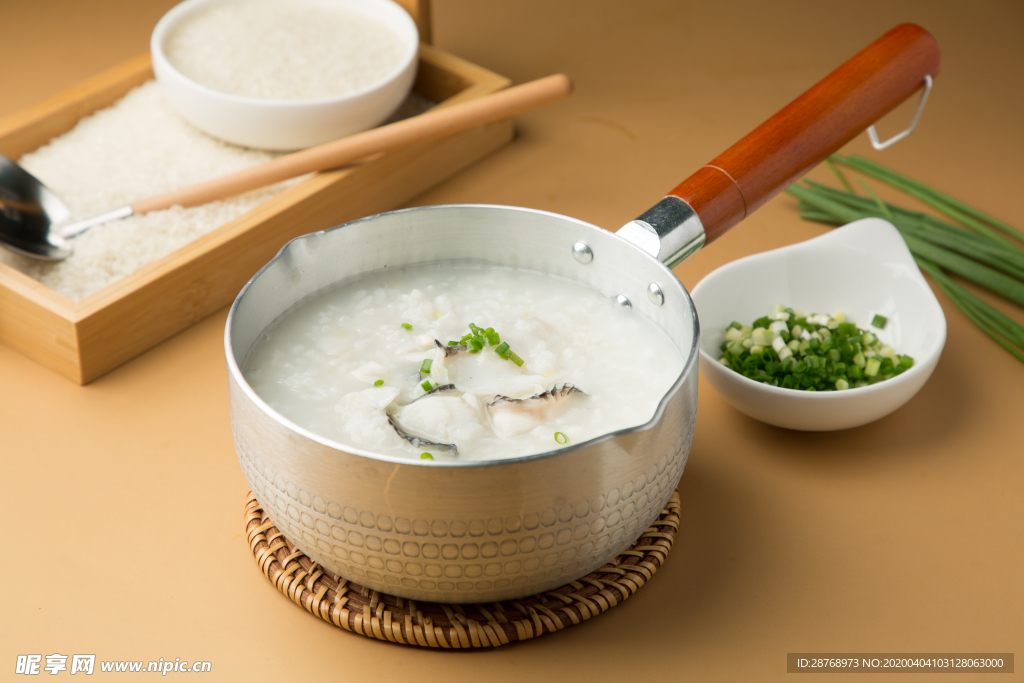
[285, 74]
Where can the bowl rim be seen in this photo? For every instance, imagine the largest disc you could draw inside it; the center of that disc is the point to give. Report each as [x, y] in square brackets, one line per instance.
[235, 372]
[183, 9]
[920, 366]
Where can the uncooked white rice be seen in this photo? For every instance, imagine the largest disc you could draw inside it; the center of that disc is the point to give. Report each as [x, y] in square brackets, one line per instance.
[137, 148]
[276, 50]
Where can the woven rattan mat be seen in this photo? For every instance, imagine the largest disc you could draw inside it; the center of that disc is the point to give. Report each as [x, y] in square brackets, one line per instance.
[430, 624]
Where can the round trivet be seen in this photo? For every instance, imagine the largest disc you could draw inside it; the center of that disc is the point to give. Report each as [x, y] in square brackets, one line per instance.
[431, 624]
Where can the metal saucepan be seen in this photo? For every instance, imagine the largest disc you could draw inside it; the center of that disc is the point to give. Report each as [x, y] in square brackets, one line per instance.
[480, 532]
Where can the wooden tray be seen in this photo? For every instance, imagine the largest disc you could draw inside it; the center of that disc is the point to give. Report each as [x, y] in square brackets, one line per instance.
[83, 340]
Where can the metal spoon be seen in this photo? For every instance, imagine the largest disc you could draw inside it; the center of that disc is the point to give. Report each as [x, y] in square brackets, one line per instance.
[28, 212]
[31, 215]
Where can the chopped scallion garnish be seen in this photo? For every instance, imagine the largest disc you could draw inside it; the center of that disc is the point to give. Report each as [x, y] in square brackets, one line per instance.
[426, 456]
[831, 354]
[379, 383]
[879, 321]
[479, 337]
[561, 438]
[407, 326]
[426, 385]
[425, 368]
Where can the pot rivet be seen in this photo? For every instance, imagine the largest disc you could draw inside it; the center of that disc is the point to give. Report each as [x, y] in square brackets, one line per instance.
[582, 253]
[622, 301]
[655, 294]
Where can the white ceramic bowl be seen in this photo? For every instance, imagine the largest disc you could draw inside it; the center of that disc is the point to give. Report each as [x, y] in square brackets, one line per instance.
[287, 124]
[863, 269]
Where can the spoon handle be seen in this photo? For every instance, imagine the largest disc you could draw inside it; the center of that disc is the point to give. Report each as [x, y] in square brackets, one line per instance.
[432, 124]
[809, 129]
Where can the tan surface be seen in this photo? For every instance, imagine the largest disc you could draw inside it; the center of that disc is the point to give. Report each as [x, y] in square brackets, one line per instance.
[123, 499]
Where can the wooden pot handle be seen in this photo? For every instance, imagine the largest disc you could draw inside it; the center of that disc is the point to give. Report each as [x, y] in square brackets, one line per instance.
[809, 129]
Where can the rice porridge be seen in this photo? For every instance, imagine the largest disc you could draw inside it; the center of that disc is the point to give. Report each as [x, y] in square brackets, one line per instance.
[462, 362]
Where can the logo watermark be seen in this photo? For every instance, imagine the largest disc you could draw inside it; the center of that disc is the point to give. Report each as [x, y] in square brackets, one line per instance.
[33, 665]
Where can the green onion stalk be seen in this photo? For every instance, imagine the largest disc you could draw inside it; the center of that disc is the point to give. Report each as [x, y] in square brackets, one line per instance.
[971, 244]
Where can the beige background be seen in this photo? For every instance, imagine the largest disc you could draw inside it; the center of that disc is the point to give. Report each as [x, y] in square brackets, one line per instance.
[122, 500]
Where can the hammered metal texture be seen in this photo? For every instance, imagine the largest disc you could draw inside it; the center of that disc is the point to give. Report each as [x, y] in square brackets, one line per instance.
[491, 555]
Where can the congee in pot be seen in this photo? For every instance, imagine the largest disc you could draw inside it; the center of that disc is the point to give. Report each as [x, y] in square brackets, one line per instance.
[457, 361]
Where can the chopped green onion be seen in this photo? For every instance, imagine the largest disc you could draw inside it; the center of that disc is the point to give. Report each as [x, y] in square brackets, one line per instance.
[426, 385]
[479, 337]
[425, 368]
[833, 357]
[426, 456]
[879, 321]
[453, 343]
[379, 383]
[407, 326]
[561, 438]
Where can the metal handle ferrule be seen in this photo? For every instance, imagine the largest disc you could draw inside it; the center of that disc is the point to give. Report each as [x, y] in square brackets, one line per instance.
[670, 231]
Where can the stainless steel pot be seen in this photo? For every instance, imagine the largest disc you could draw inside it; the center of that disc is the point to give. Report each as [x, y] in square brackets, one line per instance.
[480, 532]
[450, 531]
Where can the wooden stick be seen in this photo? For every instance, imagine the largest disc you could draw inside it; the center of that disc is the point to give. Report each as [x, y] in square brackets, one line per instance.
[431, 124]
